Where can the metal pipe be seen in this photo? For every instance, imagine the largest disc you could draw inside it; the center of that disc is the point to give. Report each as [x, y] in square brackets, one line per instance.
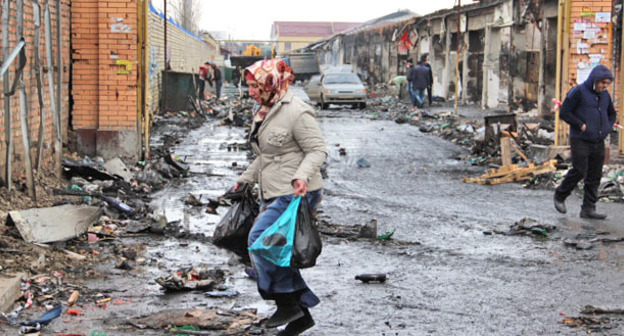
[30, 182]
[37, 67]
[53, 106]
[164, 84]
[7, 99]
[11, 57]
[559, 65]
[59, 89]
[457, 57]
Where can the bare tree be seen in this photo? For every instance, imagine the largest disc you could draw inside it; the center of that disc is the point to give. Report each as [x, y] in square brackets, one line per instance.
[187, 13]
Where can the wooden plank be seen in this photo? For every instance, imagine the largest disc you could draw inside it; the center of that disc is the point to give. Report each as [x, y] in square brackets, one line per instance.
[505, 151]
[520, 152]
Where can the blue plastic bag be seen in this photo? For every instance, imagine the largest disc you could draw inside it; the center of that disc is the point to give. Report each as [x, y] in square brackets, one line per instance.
[275, 244]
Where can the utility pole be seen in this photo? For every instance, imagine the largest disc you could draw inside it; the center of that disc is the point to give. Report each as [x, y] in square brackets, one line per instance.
[457, 56]
[164, 83]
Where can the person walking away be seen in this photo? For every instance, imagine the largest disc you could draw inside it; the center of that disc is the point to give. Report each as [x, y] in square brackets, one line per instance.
[410, 69]
[217, 79]
[203, 72]
[420, 81]
[589, 111]
[236, 75]
[425, 63]
[290, 148]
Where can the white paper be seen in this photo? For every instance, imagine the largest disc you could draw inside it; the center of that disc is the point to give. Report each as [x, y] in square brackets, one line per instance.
[582, 74]
[603, 17]
[589, 34]
[579, 26]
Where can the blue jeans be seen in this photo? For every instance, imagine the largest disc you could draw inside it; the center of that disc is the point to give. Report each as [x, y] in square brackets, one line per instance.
[419, 97]
[273, 279]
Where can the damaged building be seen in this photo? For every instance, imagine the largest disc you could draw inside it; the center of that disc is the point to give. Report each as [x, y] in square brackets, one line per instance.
[507, 51]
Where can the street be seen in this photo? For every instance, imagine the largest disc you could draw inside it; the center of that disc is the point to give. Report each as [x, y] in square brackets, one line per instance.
[450, 268]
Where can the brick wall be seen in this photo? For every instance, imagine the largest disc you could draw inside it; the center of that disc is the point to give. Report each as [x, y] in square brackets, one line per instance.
[48, 158]
[187, 53]
[104, 77]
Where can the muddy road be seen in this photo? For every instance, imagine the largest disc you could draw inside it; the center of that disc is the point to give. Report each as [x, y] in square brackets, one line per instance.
[451, 268]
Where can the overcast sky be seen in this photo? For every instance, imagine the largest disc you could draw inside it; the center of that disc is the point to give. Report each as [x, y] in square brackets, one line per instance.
[252, 19]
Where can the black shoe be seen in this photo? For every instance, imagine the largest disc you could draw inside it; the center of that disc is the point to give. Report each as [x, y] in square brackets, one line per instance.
[285, 314]
[560, 205]
[296, 327]
[592, 214]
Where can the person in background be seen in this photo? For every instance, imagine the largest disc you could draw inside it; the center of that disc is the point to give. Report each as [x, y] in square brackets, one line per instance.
[236, 75]
[420, 81]
[216, 77]
[291, 149]
[410, 69]
[203, 72]
[589, 110]
[425, 63]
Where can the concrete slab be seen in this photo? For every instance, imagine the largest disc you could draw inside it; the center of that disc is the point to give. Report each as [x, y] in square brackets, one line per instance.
[10, 290]
[60, 223]
[118, 168]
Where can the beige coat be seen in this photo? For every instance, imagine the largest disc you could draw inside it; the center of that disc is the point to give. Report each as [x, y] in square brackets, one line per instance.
[290, 147]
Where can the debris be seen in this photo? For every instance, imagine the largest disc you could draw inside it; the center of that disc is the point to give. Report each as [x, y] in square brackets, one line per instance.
[117, 168]
[386, 235]
[47, 317]
[61, 223]
[191, 279]
[73, 298]
[531, 227]
[512, 173]
[73, 312]
[210, 319]
[592, 324]
[216, 294]
[362, 163]
[589, 309]
[369, 230]
[366, 278]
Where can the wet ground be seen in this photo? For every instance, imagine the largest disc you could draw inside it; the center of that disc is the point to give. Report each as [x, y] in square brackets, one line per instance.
[459, 275]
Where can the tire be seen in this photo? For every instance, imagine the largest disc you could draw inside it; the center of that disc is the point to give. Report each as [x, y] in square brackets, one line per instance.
[362, 106]
[324, 105]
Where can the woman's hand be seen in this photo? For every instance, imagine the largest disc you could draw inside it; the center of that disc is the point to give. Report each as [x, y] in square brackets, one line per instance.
[301, 188]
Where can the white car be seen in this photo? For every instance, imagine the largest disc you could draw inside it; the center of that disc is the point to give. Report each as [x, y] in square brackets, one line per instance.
[337, 88]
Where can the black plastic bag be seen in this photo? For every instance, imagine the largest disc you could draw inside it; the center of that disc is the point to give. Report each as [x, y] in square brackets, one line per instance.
[232, 231]
[307, 245]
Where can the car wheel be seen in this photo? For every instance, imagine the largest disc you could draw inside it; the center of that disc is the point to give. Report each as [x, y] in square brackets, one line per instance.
[362, 106]
[324, 105]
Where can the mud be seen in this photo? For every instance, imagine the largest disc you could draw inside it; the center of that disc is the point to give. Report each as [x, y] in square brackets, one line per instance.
[456, 276]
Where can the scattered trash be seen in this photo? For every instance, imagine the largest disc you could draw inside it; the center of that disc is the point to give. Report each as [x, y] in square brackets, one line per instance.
[209, 319]
[60, 223]
[46, 317]
[362, 163]
[216, 294]
[531, 227]
[192, 278]
[366, 278]
[369, 230]
[386, 235]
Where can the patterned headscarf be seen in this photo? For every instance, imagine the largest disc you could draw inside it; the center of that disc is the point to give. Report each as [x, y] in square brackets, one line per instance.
[274, 77]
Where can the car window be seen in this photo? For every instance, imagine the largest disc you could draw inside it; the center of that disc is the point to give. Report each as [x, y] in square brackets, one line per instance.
[341, 79]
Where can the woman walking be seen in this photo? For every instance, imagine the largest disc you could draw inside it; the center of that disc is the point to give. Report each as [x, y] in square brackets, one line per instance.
[291, 150]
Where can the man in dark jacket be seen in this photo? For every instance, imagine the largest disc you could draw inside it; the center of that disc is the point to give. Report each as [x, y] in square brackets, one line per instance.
[217, 79]
[589, 111]
[420, 81]
[425, 63]
[410, 69]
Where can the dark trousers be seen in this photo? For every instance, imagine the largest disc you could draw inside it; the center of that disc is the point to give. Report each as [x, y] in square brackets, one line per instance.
[429, 95]
[202, 85]
[218, 85]
[587, 161]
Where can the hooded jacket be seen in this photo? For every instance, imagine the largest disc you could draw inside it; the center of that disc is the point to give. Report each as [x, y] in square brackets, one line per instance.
[583, 105]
